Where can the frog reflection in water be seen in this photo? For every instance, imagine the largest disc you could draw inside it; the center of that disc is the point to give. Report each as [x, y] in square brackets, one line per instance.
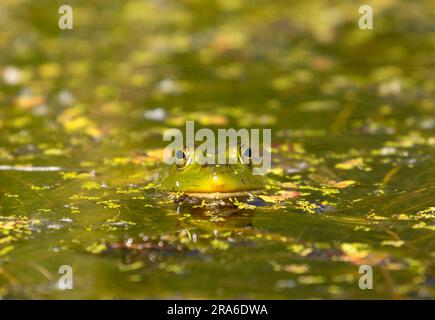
[194, 182]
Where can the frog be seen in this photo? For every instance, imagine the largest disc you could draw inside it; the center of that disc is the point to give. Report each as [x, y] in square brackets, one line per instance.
[190, 179]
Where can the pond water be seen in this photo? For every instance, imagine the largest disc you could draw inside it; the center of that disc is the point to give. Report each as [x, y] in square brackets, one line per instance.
[83, 111]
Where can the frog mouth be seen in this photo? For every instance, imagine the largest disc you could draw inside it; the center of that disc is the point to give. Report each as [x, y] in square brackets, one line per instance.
[219, 195]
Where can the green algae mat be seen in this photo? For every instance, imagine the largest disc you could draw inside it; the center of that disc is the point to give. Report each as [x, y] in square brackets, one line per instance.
[348, 211]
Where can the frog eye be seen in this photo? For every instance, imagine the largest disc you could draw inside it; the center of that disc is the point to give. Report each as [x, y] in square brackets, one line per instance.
[182, 158]
[245, 155]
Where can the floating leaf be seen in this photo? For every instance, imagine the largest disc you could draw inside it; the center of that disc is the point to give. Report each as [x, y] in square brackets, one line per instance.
[350, 164]
[96, 248]
[394, 243]
[343, 184]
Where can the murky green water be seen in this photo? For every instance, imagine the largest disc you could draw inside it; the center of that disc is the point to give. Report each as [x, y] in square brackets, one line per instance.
[352, 114]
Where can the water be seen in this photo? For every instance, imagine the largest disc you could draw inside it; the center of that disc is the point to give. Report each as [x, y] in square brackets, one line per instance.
[352, 118]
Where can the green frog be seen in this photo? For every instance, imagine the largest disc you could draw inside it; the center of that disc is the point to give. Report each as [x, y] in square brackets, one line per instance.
[212, 181]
